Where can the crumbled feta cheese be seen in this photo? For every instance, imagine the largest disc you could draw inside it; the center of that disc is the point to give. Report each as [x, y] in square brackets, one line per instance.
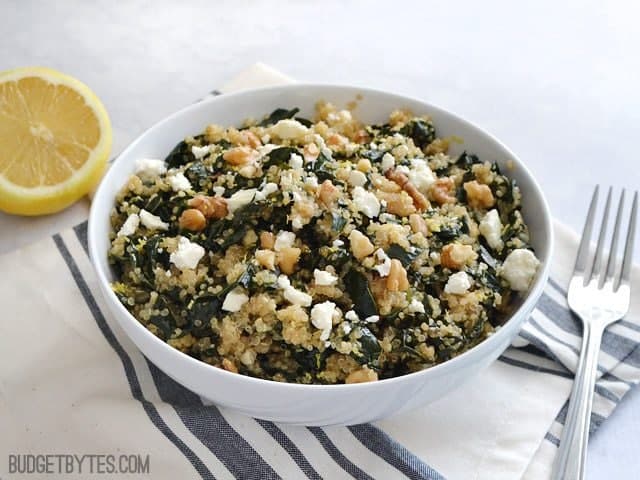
[240, 199]
[324, 278]
[387, 217]
[319, 141]
[458, 284]
[351, 316]
[346, 328]
[218, 191]
[311, 181]
[385, 267]
[187, 255]
[179, 182]
[366, 202]
[292, 294]
[129, 226]
[287, 180]
[322, 318]
[267, 190]
[415, 306]
[270, 188]
[296, 161]
[152, 222]
[491, 229]
[289, 129]
[357, 178]
[150, 167]
[403, 169]
[387, 162]
[200, 152]
[264, 150]
[421, 175]
[297, 222]
[234, 300]
[372, 319]
[519, 268]
[284, 239]
[337, 243]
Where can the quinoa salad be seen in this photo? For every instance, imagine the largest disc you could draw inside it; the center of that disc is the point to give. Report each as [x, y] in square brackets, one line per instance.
[320, 250]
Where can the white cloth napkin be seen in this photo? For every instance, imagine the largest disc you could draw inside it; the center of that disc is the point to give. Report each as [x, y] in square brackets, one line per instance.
[72, 383]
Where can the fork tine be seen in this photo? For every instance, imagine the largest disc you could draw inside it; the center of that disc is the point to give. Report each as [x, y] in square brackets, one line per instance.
[611, 264]
[625, 274]
[597, 259]
[583, 249]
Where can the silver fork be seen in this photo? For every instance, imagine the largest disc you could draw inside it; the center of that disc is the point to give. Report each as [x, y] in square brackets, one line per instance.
[599, 297]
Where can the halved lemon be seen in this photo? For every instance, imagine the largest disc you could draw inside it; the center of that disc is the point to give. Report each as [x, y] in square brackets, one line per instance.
[55, 138]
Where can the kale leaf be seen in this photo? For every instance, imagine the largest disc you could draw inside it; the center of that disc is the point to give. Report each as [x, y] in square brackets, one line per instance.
[277, 115]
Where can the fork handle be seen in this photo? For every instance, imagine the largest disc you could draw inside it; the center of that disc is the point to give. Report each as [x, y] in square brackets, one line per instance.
[572, 453]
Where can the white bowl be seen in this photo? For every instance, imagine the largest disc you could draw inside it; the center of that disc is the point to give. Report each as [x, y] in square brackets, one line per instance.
[315, 404]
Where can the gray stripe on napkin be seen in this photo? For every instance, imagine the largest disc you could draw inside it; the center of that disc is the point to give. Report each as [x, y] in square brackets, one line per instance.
[347, 465]
[394, 453]
[285, 442]
[210, 427]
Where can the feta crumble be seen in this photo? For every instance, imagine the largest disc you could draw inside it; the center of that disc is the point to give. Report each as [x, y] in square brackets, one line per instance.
[129, 226]
[519, 268]
[265, 150]
[267, 190]
[322, 318]
[200, 152]
[458, 284]
[415, 306]
[289, 129]
[385, 267]
[291, 294]
[234, 300]
[324, 278]
[296, 162]
[337, 243]
[149, 168]
[187, 255]
[179, 182]
[357, 178]
[372, 319]
[284, 239]
[352, 316]
[152, 221]
[491, 229]
[311, 181]
[421, 175]
[387, 162]
[240, 199]
[366, 202]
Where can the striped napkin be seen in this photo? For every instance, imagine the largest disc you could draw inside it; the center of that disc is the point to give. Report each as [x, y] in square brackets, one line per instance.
[72, 383]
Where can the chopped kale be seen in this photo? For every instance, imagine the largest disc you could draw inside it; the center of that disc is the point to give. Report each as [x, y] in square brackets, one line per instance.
[422, 132]
[358, 288]
[277, 115]
[406, 257]
[180, 155]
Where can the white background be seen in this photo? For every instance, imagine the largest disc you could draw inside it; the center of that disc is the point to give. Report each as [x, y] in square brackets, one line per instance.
[558, 82]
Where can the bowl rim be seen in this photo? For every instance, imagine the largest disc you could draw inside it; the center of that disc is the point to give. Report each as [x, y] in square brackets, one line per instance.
[527, 304]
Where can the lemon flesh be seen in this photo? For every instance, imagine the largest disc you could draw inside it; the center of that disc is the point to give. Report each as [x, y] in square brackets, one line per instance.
[55, 139]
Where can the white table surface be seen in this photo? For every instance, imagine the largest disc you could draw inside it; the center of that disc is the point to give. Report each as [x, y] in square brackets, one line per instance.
[558, 82]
